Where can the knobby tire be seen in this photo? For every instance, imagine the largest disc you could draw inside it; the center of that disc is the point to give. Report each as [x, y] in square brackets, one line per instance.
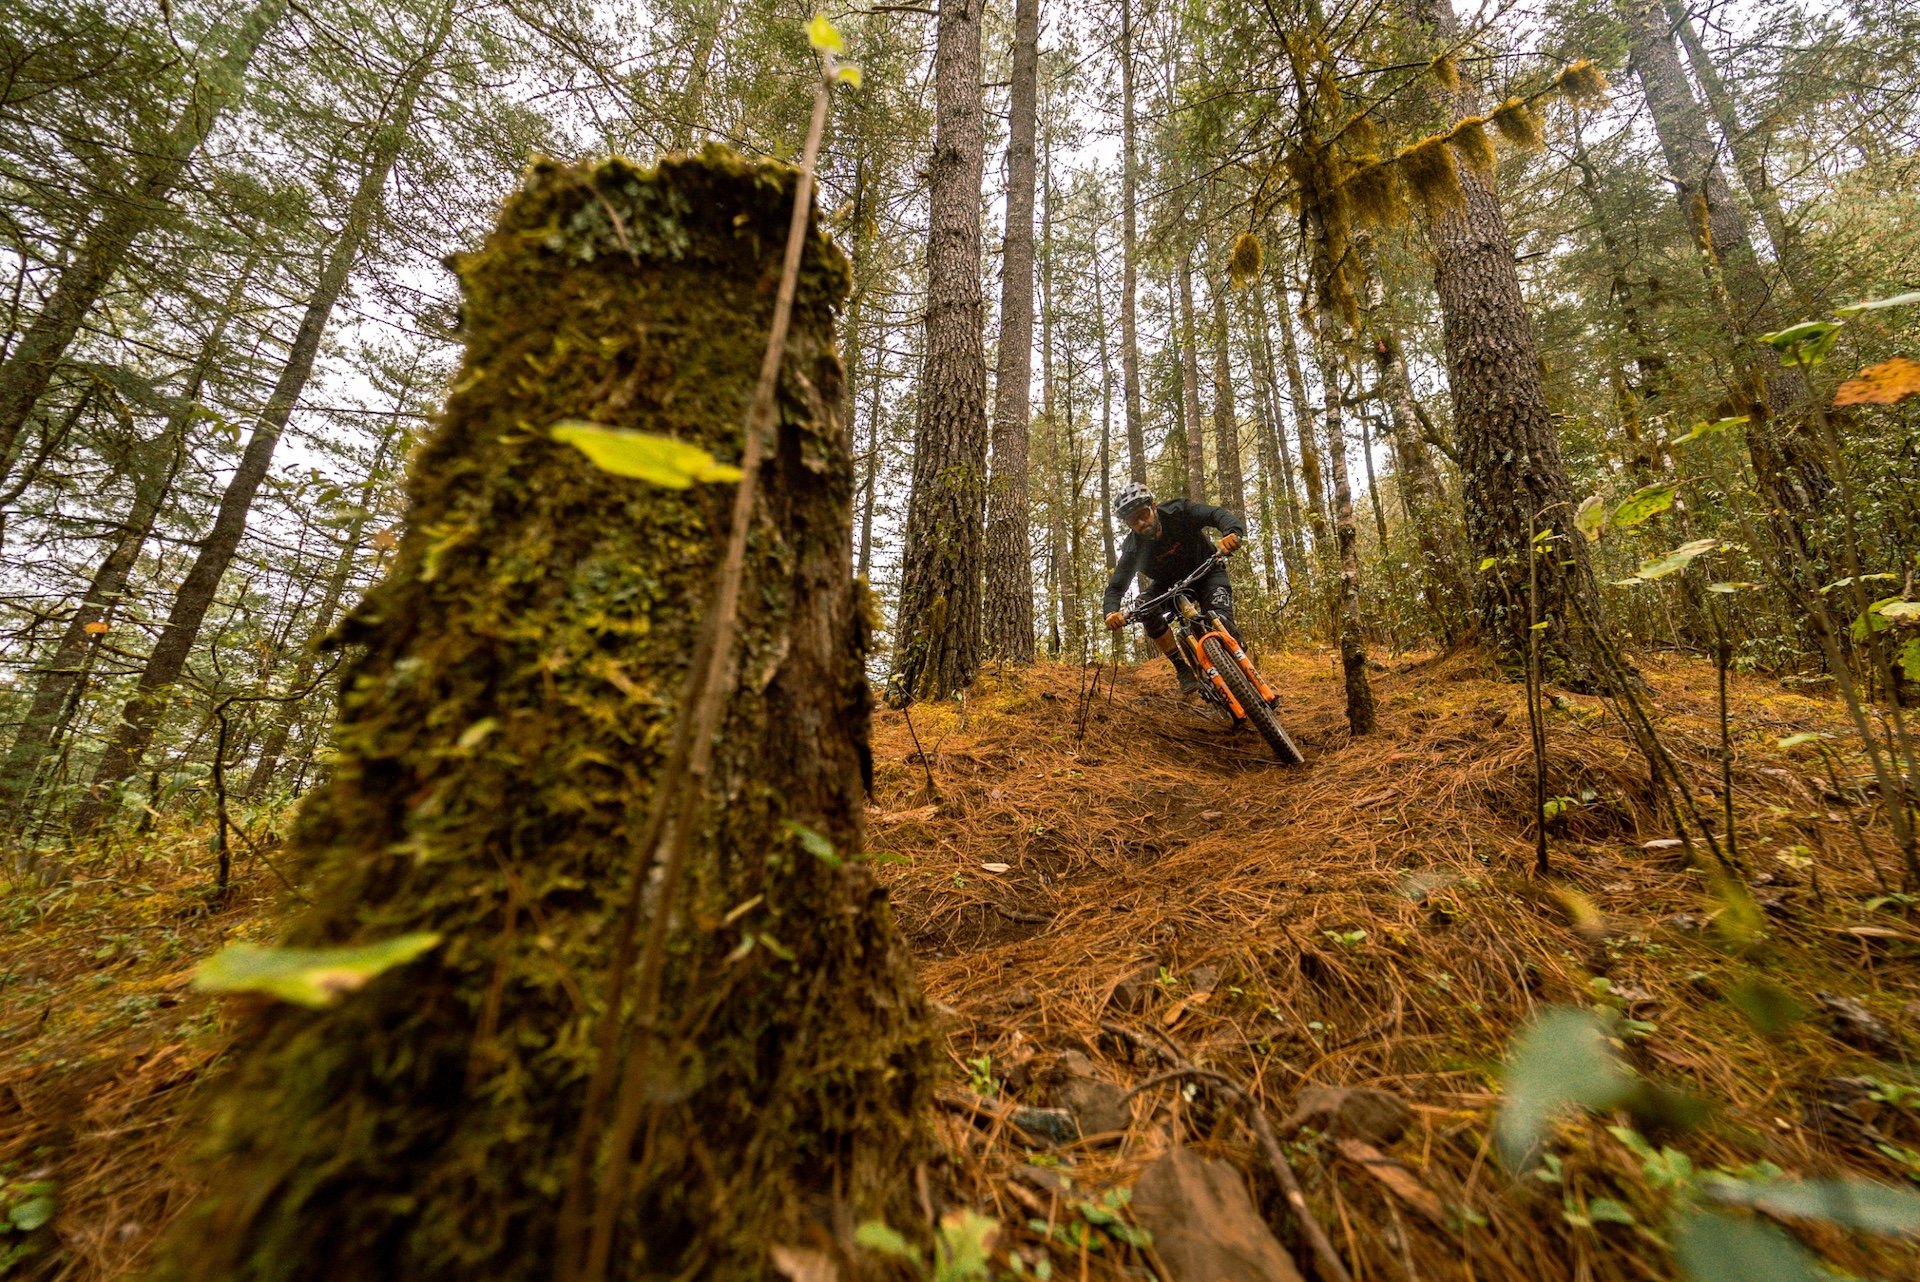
[1249, 698]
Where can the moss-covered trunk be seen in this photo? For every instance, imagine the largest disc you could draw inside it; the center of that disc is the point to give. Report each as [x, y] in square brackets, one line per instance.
[496, 747]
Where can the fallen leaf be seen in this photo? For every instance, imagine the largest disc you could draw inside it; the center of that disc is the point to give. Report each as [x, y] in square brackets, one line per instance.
[798, 1264]
[1887, 383]
[997, 867]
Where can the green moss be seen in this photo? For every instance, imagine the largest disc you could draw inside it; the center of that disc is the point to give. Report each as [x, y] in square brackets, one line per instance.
[423, 1129]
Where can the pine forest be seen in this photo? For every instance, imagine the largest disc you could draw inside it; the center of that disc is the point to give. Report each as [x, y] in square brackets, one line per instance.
[960, 640]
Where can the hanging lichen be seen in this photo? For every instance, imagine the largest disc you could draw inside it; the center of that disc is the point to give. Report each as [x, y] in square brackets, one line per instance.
[1518, 125]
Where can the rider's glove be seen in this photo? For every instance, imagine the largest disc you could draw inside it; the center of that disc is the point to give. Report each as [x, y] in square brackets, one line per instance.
[1228, 544]
[1116, 620]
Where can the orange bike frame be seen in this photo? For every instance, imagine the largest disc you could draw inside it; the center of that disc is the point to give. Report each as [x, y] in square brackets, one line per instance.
[1239, 657]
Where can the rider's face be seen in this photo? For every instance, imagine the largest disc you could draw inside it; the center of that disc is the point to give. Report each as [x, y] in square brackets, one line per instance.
[1144, 521]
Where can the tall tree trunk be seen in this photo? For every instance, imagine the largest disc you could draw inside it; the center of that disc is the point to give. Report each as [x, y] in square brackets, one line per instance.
[31, 365]
[1514, 479]
[134, 732]
[287, 710]
[1130, 255]
[1226, 424]
[1310, 473]
[1649, 363]
[937, 631]
[56, 694]
[1788, 251]
[1106, 410]
[1346, 596]
[1793, 477]
[1276, 456]
[1007, 612]
[499, 740]
[1190, 385]
[1436, 525]
[871, 480]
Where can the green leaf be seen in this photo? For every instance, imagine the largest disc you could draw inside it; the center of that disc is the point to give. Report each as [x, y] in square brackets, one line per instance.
[1716, 428]
[1849, 581]
[823, 35]
[313, 977]
[1488, 563]
[1857, 1204]
[1553, 808]
[1795, 740]
[1730, 588]
[1768, 1007]
[660, 460]
[1590, 518]
[1720, 1248]
[1908, 657]
[876, 1235]
[1898, 300]
[1562, 1059]
[1900, 611]
[1804, 344]
[32, 1213]
[1604, 1210]
[814, 844]
[1644, 502]
[1678, 559]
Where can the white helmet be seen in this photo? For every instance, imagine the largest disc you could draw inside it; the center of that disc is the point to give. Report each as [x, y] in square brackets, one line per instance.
[1132, 497]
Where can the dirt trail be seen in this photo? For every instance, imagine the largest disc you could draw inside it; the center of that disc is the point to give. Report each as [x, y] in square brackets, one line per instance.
[1368, 920]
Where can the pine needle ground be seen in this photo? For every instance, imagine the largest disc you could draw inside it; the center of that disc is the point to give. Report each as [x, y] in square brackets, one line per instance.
[1366, 920]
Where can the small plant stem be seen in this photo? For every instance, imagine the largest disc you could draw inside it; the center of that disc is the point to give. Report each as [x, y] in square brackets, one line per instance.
[1649, 739]
[1537, 733]
[1722, 657]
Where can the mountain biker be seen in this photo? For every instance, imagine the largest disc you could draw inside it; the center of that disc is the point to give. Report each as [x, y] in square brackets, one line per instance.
[1165, 544]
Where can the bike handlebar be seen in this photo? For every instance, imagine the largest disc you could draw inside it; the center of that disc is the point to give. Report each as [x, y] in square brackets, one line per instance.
[1206, 567]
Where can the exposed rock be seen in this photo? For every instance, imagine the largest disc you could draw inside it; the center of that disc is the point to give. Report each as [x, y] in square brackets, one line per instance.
[1099, 1106]
[1056, 1124]
[1378, 1117]
[1857, 1026]
[1204, 1225]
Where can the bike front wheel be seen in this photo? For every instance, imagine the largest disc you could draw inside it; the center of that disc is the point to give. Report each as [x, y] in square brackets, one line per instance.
[1258, 712]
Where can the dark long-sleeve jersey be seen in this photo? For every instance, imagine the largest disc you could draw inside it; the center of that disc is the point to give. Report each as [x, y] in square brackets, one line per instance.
[1174, 552]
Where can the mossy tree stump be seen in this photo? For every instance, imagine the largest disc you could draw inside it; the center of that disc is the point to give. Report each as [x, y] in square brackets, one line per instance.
[496, 746]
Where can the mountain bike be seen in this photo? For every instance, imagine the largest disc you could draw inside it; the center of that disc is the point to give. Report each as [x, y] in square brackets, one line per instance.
[1229, 679]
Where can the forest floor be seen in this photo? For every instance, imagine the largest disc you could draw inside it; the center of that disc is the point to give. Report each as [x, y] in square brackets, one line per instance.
[1098, 885]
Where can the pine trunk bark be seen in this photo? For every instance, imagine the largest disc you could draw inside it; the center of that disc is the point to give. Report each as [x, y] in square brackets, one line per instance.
[497, 740]
[937, 629]
[31, 365]
[140, 718]
[1514, 478]
[1106, 410]
[1007, 611]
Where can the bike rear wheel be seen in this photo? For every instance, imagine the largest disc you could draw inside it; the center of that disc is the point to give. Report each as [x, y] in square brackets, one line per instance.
[1258, 712]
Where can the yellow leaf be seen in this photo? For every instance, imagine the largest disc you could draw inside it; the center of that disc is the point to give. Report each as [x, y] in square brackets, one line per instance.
[821, 34]
[660, 460]
[1887, 383]
[313, 977]
[96, 628]
[849, 75]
